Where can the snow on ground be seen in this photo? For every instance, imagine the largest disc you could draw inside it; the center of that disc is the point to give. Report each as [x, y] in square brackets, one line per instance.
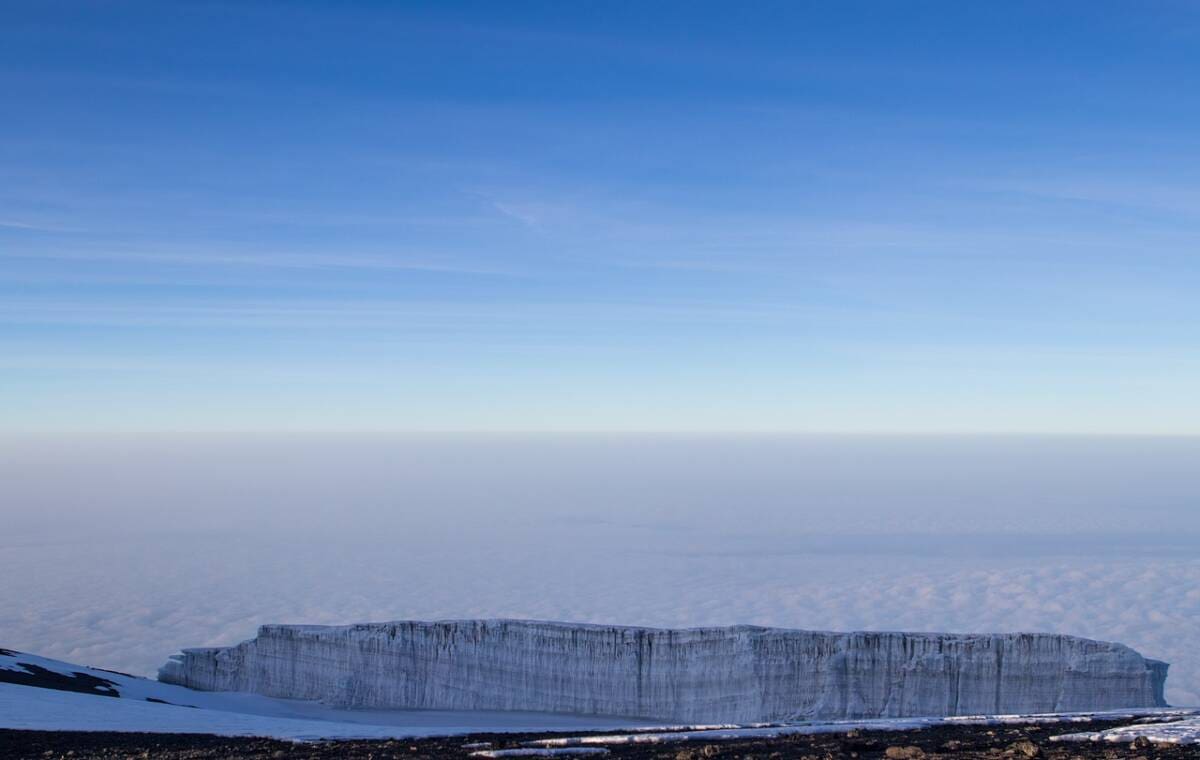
[729, 733]
[233, 714]
[1175, 732]
[32, 708]
[27, 707]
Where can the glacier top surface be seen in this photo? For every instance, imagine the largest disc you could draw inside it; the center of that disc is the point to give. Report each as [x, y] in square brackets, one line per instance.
[712, 629]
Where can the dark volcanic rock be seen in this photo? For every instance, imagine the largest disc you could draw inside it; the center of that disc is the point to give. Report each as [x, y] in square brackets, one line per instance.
[34, 675]
[943, 742]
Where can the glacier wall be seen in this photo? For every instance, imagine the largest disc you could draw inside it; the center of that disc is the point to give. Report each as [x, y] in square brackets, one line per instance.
[738, 674]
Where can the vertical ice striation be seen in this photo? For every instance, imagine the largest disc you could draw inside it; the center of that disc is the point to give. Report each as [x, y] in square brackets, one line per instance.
[738, 674]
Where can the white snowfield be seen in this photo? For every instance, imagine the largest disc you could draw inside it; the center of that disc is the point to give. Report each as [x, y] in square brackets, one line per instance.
[734, 733]
[31, 708]
[1185, 731]
[739, 674]
[176, 709]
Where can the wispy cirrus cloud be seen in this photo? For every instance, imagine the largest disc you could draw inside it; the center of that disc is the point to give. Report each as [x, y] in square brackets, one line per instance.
[20, 224]
[363, 313]
[1133, 193]
[224, 257]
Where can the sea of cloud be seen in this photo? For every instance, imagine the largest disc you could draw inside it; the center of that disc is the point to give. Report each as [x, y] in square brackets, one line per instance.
[118, 552]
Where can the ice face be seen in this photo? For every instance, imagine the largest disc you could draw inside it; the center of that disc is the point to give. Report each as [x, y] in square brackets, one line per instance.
[737, 674]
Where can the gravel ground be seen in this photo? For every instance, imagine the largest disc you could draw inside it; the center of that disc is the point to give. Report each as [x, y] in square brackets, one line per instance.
[994, 743]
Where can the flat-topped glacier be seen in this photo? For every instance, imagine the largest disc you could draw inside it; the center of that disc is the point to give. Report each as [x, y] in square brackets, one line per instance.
[738, 674]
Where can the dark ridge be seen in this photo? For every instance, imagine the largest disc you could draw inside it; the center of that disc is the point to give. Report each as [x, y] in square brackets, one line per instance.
[49, 679]
[158, 701]
[1008, 742]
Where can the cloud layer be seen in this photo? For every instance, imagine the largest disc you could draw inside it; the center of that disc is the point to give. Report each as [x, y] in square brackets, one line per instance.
[127, 605]
[126, 552]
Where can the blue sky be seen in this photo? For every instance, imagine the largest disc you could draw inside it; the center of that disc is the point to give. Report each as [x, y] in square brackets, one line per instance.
[850, 216]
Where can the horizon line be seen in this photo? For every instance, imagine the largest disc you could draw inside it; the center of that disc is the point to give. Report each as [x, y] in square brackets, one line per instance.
[606, 432]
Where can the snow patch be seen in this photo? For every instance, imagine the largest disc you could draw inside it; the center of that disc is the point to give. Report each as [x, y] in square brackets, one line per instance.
[1174, 732]
[838, 727]
[152, 706]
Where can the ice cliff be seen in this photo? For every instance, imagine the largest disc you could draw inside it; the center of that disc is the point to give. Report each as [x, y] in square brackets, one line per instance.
[738, 674]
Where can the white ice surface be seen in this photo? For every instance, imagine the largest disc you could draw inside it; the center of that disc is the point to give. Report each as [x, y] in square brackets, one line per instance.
[26, 707]
[728, 733]
[234, 714]
[1175, 732]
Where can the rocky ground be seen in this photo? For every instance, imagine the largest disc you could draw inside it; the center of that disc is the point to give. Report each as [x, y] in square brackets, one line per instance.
[991, 742]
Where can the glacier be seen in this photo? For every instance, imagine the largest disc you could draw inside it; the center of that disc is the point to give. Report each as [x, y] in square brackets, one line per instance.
[737, 674]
